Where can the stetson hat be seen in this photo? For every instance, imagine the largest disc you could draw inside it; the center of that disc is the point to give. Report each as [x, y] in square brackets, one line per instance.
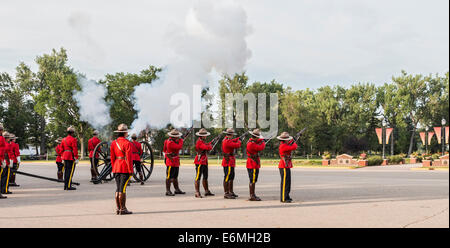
[122, 128]
[71, 129]
[203, 133]
[175, 133]
[256, 133]
[95, 132]
[59, 140]
[284, 136]
[14, 137]
[134, 136]
[7, 135]
[230, 131]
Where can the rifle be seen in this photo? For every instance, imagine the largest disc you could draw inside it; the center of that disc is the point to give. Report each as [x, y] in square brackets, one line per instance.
[268, 140]
[297, 136]
[216, 140]
[188, 132]
[242, 137]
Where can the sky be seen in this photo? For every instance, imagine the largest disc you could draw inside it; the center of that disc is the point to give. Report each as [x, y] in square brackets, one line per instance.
[300, 43]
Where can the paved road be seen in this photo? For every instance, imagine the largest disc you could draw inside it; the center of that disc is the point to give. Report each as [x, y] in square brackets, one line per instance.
[392, 196]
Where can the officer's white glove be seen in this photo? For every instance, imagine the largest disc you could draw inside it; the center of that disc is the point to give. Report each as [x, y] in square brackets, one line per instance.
[18, 160]
[76, 161]
[11, 163]
[3, 164]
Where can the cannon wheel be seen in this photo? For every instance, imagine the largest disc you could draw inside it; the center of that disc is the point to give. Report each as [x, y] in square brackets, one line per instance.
[104, 161]
[147, 162]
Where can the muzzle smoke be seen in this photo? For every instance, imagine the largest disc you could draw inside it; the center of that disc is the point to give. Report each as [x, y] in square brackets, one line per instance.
[91, 101]
[212, 39]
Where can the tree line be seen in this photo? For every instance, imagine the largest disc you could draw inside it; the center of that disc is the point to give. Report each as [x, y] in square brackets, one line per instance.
[38, 106]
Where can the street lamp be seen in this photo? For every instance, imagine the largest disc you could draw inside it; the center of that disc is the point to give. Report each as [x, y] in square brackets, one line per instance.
[443, 122]
[383, 133]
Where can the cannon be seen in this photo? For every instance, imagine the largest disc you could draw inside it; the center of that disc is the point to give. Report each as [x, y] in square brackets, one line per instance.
[104, 168]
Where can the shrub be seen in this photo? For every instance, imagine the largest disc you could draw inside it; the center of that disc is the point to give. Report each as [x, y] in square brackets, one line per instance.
[396, 159]
[436, 156]
[375, 160]
[326, 155]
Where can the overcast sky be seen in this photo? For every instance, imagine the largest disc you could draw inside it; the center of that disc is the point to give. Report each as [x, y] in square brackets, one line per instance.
[301, 43]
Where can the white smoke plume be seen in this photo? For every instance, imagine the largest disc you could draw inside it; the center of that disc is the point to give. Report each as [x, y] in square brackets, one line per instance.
[91, 101]
[212, 38]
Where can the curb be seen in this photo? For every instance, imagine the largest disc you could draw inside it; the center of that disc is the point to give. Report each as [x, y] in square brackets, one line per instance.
[426, 169]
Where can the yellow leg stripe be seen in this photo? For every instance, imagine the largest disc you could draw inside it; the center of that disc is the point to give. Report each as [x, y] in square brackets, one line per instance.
[198, 172]
[7, 179]
[254, 175]
[168, 172]
[71, 174]
[284, 183]
[228, 175]
[125, 187]
[1, 174]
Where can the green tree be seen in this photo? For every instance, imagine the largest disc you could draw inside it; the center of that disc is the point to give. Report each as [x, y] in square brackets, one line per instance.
[120, 88]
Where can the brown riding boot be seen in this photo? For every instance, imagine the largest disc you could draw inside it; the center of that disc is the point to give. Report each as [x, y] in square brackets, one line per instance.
[231, 189]
[12, 180]
[228, 195]
[197, 189]
[177, 188]
[168, 192]
[141, 177]
[60, 176]
[206, 187]
[123, 200]
[93, 175]
[253, 197]
[117, 203]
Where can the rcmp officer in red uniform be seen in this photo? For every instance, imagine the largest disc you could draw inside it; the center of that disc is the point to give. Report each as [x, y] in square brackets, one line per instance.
[92, 143]
[16, 161]
[8, 161]
[201, 162]
[254, 146]
[287, 146]
[172, 147]
[70, 157]
[137, 154]
[2, 158]
[59, 162]
[122, 167]
[229, 145]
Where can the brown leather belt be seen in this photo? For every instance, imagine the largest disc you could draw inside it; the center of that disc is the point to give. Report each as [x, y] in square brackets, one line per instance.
[122, 158]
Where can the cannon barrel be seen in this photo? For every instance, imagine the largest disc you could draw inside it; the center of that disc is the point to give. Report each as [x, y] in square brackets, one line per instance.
[42, 177]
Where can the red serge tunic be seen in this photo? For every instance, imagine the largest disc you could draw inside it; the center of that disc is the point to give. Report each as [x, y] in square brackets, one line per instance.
[92, 143]
[202, 148]
[137, 150]
[173, 148]
[2, 148]
[9, 152]
[16, 151]
[228, 147]
[121, 156]
[59, 151]
[70, 149]
[285, 151]
[253, 147]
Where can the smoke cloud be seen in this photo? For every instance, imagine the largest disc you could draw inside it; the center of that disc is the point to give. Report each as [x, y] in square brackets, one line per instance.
[91, 101]
[211, 39]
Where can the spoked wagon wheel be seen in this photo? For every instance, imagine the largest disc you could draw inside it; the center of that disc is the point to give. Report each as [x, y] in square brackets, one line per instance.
[147, 161]
[103, 168]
